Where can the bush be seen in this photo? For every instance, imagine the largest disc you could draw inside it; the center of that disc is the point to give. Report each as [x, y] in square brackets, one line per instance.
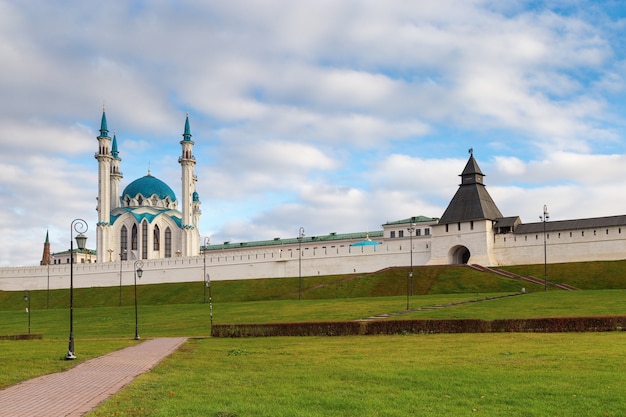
[560, 324]
[29, 336]
[341, 328]
[427, 326]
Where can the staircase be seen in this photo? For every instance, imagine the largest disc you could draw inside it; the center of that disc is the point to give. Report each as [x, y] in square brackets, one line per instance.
[511, 275]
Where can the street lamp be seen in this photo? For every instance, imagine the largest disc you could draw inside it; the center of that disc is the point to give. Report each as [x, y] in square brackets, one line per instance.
[544, 219]
[300, 237]
[48, 287]
[138, 273]
[122, 253]
[208, 285]
[27, 299]
[207, 241]
[79, 226]
[409, 282]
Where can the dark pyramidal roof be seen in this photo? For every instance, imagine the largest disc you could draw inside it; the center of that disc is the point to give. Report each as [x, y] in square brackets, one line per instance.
[471, 201]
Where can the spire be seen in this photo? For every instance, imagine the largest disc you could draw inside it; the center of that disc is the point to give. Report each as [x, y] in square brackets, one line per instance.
[471, 201]
[45, 257]
[114, 151]
[187, 134]
[104, 131]
[472, 170]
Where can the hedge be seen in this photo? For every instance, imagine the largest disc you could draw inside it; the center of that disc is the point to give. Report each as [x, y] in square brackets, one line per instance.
[422, 326]
[21, 336]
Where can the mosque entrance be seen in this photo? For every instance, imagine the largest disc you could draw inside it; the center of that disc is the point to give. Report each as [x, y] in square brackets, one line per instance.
[459, 255]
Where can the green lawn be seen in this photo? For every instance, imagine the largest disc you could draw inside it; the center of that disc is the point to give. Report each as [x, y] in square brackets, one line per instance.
[488, 374]
[26, 359]
[194, 319]
[504, 375]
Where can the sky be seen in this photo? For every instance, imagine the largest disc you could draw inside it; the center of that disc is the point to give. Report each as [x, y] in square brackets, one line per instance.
[331, 115]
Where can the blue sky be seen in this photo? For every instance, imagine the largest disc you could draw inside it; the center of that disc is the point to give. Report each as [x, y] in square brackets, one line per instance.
[336, 116]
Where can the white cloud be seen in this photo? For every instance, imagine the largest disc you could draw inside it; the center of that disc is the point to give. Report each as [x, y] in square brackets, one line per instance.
[340, 115]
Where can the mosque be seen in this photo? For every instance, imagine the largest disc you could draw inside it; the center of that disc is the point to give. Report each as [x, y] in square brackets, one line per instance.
[146, 221]
[143, 222]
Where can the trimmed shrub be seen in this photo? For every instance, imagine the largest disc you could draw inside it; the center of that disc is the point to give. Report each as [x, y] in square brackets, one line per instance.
[560, 324]
[425, 326]
[30, 336]
[341, 328]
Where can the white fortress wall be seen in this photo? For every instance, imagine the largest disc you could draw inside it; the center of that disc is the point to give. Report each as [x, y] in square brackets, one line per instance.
[248, 263]
[578, 245]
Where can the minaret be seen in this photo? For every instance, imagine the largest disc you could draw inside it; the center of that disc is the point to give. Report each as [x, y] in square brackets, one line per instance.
[103, 227]
[45, 258]
[190, 235]
[116, 175]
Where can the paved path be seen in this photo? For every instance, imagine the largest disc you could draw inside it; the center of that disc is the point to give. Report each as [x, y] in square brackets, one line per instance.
[80, 389]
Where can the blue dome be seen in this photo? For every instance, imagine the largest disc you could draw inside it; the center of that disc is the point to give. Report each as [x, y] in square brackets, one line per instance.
[148, 186]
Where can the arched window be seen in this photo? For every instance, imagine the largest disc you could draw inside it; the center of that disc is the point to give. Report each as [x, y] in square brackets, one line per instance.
[144, 240]
[168, 243]
[133, 238]
[124, 243]
[156, 238]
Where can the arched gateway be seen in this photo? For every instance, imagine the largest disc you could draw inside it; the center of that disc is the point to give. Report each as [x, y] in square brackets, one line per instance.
[459, 255]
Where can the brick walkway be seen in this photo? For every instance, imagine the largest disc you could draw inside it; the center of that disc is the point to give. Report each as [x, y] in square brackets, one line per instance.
[80, 389]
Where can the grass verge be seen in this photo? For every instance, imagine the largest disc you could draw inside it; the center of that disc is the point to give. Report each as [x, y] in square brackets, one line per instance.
[489, 374]
[26, 359]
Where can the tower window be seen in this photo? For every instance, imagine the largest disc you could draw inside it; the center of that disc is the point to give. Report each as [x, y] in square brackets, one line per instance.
[133, 238]
[124, 243]
[144, 240]
[168, 243]
[156, 238]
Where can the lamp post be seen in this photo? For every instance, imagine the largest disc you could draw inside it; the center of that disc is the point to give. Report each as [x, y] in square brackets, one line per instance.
[138, 273]
[48, 286]
[300, 237]
[409, 282]
[544, 219]
[207, 241]
[122, 253]
[79, 226]
[27, 299]
[208, 285]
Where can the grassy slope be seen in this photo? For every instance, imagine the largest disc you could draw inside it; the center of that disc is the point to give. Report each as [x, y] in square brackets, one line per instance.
[390, 282]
